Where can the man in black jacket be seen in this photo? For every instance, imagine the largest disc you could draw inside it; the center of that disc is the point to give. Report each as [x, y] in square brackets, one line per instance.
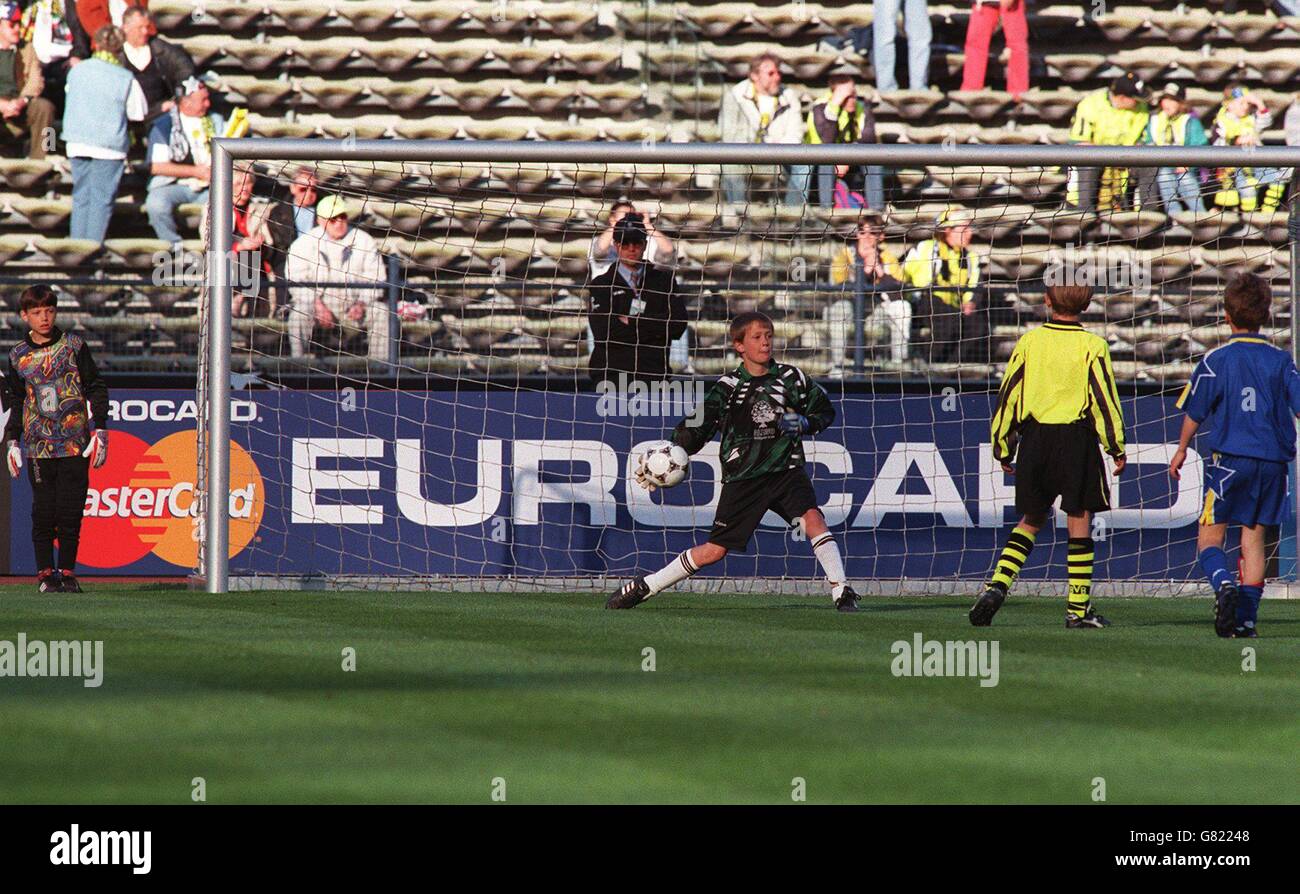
[635, 312]
[159, 66]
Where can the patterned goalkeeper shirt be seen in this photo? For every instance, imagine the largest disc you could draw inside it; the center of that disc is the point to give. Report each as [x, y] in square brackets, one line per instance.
[745, 409]
[46, 389]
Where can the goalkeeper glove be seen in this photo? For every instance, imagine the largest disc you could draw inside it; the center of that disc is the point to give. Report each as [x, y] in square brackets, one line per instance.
[641, 477]
[97, 449]
[793, 423]
[14, 459]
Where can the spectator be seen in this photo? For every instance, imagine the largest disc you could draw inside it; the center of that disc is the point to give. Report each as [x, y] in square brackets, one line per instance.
[947, 267]
[603, 254]
[984, 17]
[160, 67]
[916, 21]
[840, 116]
[22, 105]
[757, 110]
[336, 252]
[180, 158]
[1241, 121]
[1113, 116]
[871, 270]
[102, 97]
[54, 31]
[636, 311]
[95, 14]
[303, 189]
[1175, 189]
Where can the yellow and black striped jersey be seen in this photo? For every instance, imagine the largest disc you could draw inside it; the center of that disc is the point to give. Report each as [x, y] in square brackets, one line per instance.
[1058, 373]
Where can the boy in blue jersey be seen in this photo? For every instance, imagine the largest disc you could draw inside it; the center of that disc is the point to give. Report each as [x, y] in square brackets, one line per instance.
[1247, 392]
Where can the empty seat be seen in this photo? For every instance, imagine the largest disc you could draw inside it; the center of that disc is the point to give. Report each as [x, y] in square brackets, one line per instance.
[593, 60]
[647, 23]
[501, 20]
[1278, 67]
[435, 17]
[531, 61]
[42, 214]
[297, 15]
[1052, 106]
[1076, 68]
[404, 96]
[981, 105]
[475, 96]
[257, 94]
[612, 99]
[913, 105]
[568, 19]
[251, 55]
[719, 20]
[68, 252]
[232, 15]
[547, 99]
[1037, 184]
[368, 16]
[323, 56]
[1248, 29]
[25, 173]
[1120, 25]
[455, 58]
[1182, 27]
[1148, 63]
[332, 94]
[391, 56]
[11, 247]
[170, 13]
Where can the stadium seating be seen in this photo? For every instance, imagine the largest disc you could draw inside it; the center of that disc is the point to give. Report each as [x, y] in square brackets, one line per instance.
[457, 69]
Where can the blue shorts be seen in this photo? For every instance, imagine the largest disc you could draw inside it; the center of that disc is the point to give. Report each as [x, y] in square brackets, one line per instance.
[1244, 491]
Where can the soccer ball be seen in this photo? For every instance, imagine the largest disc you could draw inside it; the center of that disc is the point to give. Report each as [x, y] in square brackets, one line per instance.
[665, 464]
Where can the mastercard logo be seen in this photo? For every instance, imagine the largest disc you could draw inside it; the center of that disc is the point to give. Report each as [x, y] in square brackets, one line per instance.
[143, 500]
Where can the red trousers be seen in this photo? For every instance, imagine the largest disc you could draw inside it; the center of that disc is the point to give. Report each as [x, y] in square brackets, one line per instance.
[983, 22]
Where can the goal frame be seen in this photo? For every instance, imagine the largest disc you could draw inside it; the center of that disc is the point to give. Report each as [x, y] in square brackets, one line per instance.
[215, 388]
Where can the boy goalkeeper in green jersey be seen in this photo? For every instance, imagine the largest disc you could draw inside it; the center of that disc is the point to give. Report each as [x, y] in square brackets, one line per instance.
[1057, 411]
[762, 410]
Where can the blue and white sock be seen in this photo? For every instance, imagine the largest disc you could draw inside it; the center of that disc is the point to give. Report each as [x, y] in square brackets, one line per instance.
[1214, 564]
[1248, 604]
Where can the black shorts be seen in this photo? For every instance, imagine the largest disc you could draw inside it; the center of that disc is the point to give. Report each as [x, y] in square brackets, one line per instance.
[743, 503]
[1060, 461]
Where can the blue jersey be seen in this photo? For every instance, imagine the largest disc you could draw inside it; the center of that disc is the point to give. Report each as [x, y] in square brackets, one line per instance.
[1247, 394]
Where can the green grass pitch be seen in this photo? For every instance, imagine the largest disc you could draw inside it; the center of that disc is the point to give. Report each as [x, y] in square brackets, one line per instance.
[547, 692]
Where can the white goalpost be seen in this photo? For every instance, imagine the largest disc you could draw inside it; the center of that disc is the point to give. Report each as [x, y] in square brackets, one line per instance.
[446, 435]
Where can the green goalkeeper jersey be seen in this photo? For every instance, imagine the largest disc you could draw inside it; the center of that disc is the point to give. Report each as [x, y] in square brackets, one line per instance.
[746, 410]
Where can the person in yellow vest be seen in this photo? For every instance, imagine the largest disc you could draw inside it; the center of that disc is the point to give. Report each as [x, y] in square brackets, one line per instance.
[865, 266]
[1115, 116]
[1241, 121]
[840, 116]
[1174, 189]
[952, 303]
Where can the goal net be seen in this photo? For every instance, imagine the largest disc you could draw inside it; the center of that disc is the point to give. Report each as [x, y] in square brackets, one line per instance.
[405, 383]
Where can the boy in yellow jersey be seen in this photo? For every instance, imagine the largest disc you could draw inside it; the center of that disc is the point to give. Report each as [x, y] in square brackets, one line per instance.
[1057, 410]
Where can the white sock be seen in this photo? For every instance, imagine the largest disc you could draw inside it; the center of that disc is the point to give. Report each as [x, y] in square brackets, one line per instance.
[674, 572]
[827, 552]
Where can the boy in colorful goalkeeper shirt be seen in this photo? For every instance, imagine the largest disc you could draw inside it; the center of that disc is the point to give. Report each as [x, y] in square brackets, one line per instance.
[1247, 393]
[762, 409]
[47, 384]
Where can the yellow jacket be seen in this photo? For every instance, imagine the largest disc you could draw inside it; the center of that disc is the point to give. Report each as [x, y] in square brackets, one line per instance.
[846, 262]
[1097, 121]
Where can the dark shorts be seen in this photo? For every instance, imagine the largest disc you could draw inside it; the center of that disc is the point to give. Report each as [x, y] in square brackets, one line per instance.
[743, 503]
[1244, 491]
[1061, 461]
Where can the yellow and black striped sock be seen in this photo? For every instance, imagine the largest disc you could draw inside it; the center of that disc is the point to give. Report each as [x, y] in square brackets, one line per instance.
[1019, 544]
[1079, 567]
